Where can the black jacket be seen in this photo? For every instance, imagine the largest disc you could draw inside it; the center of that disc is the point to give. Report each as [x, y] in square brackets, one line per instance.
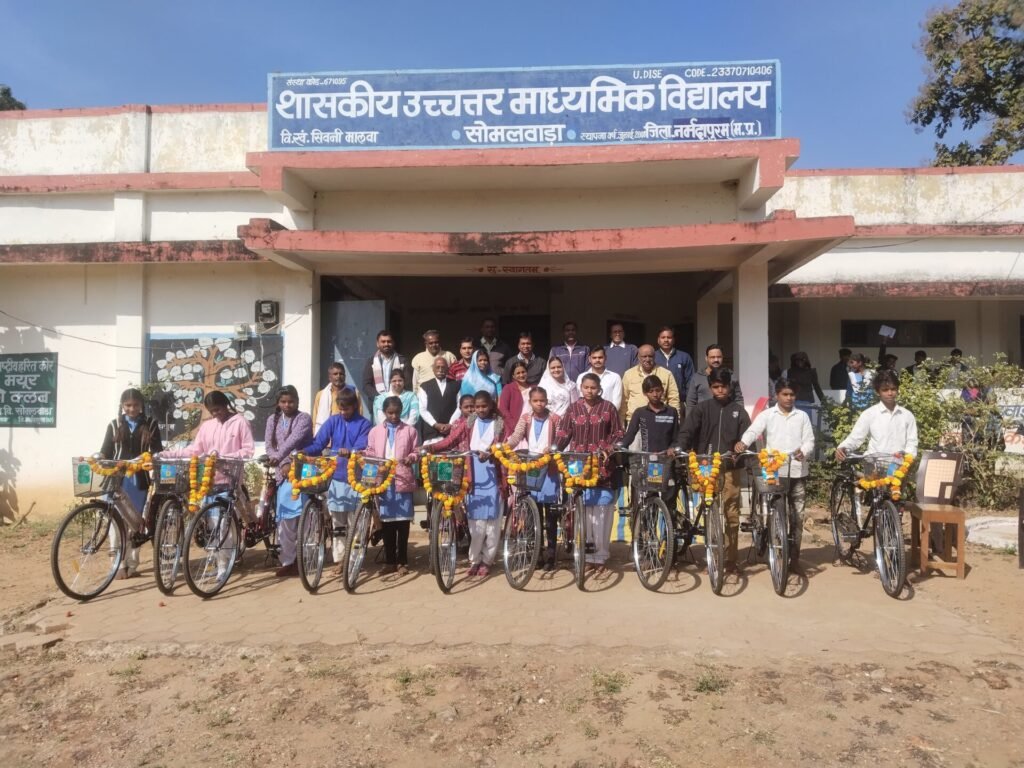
[712, 427]
[120, 444]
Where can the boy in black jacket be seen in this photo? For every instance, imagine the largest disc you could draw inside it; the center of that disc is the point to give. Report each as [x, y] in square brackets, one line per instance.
[715, 426]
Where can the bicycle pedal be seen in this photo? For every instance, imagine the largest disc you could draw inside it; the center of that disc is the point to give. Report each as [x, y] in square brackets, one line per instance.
[590, 549]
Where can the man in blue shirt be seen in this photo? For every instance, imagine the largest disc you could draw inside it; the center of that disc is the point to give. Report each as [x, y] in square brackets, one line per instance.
[575, 357]
[621, 356]
[679, 364]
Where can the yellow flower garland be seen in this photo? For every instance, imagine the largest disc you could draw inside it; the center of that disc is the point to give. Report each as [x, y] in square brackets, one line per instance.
[144, 463]
[197, 494]
[513, 463]
[589, 478]
[894, 481]
[449, 500]
[771, 462]
[325, 467]
[355, 462]
[706, 485]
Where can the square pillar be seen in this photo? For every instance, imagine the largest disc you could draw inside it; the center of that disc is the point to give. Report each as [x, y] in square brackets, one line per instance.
[707, 327]
[131, 329]
[750, 330]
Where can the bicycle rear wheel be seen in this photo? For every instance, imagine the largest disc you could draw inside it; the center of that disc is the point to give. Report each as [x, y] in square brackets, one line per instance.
[355, 552]
[778, 543]
[443, 546]
[714, 544]
[890, 554]
[168, 544]
[87, 550]
[579, 540]
[521, 542]
[311, 550]
[211, 549]
[845, 530]
[654, 543]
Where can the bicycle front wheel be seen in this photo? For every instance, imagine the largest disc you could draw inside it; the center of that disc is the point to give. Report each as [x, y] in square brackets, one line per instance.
[168, 544]
[87, 550]
[355, 552]
[714, 544]
[778, 543]
[890, 554]
[443, 546]
[845, 530]
[211, 549]
[579, 540]
[521, 542]
[312, 545]
[654, 543]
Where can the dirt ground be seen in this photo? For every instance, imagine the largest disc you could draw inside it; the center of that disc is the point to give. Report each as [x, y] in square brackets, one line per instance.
[839, 696]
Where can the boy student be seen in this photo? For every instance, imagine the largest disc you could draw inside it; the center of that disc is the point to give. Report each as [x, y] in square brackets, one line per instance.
[715, 426]
[787, 429]
[657, 424]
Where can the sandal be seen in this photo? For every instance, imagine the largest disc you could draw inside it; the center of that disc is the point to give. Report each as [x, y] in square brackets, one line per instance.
[403, 570]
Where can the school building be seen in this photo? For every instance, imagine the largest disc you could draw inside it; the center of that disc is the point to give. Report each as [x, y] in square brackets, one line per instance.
[169, 244]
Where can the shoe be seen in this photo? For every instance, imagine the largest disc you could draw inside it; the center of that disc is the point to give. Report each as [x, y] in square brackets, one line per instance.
[389, 569]
[549, 565]
[732, 568]
[425, 524]
[287, 570]
[403, 570]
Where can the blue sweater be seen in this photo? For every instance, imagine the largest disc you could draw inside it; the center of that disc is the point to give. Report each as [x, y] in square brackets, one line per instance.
[337, 434]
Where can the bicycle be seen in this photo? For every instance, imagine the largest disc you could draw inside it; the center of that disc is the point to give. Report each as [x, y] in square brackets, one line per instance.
[704, 516]
[91, 541]
[315, 523]
[171, 478]
[376, 475]
[214, 540]
[574, 466]
[520, 535]
[650, 519]
[769, 516]
[448, 481]
[884, 518]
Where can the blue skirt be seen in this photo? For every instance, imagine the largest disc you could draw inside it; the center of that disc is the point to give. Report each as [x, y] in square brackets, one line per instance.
[484, 501]
[287, 507]
[550, 492]
[341, 497]
[597, 497]
[395, 506]
[136, 494]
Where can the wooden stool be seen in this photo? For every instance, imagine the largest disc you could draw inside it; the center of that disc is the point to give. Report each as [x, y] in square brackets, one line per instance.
[922, 517]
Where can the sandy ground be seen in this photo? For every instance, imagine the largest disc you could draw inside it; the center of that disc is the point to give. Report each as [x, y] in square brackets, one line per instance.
[398, 674]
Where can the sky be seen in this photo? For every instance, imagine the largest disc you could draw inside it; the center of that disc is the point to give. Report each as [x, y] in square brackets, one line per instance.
[849, 69]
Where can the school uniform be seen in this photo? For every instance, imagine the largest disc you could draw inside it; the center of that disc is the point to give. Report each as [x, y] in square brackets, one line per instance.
[283, 436]
[397, 442]
[537, 435]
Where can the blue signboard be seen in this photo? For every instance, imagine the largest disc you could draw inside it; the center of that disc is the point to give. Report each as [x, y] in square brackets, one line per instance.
[570, 106]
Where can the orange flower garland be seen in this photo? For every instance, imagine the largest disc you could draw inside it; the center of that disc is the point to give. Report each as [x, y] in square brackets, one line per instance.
[588, 479]
[355, 462]
[514, 463]
[706, 484]
[197, 492]
[771, 462]
[144, 463]
[894, 481]
[449, 500]
[325, 467]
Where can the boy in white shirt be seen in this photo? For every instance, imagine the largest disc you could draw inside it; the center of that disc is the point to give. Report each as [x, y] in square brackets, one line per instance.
[787, 429]
[888, 427]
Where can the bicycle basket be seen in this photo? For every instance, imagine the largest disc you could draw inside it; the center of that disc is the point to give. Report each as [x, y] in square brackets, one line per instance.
[530, 480]
[229, 473]
[446, 472]
[653, 474]
[308, 469]
[89, 484]
[761, 484]
[171, 475]
[877, 467]
[373, 472]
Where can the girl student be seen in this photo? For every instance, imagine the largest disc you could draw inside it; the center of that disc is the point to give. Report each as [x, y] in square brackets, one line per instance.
[128, 436]
[535, 431]
[394, 439]
[561, 392]
[482, 430]
[342, 433]
[515, 394]
[410, 403]
[592, 425]
[287, 430]
[480, 378]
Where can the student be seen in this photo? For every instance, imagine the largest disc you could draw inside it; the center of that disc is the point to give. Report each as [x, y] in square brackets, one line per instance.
[287, 430]
[325, 402]
[342, 433]
[410, 403]
[858, 383]
[393, 439]
[535, 432]
[715, 426]
[482, 430]
[480, 377]
[561, 392]
[465, 410]
[657, 426]
[127, 437]
[786, 428]
[515, 393]
[591, 425]
[804, 379]
[837, 374]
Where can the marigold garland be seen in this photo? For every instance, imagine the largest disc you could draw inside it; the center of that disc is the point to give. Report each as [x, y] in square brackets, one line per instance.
[196, 491]
[325, 467]
[449, 500]
[514, 463]
[143, 464]
[705, 484]
[894, 481]
[771, 462]
[355, 463]
[587, 479]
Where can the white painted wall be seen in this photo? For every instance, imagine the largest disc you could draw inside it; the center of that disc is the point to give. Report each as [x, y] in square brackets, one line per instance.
[205, 141]
[63, 145]
[209, 215]
[56, 219]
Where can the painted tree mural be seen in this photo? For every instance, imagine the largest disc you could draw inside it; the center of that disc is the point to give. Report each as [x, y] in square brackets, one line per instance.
[248, 371]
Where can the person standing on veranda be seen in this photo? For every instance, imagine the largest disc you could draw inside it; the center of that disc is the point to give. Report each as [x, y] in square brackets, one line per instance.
[700, 388]
[457, 370]
[325, 402]
[423, 363]
[621, 356]
[535, 366]
[378, 370]
[633, 396]
[573, 355]
[439, 402]
[497, 350]
[837, 374]
[679, 363]
[611, 382]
